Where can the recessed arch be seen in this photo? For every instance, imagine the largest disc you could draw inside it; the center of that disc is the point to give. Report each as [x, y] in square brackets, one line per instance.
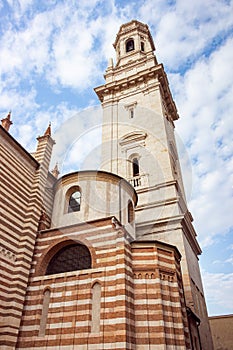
[54, 247]
[130, 212]
[70, 258]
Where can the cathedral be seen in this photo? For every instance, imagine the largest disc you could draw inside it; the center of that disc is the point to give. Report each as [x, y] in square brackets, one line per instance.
[104, 259]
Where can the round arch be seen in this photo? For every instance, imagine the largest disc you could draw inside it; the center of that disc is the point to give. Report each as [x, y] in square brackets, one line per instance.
[53, 249]
[73, 199]
[69, 258]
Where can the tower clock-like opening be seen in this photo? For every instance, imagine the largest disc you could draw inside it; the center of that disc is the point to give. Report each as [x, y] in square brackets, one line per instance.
[129, 46]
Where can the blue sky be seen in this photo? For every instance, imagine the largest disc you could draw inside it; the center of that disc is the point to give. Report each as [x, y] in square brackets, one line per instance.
[52, 55]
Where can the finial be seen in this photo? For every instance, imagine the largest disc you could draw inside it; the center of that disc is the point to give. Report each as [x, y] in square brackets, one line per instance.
[55, 171]
[110, 64]
[6, 122]
[48, 130]
[46, 136]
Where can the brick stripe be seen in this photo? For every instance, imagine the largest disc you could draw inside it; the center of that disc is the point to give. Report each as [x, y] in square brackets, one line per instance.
[134, 299]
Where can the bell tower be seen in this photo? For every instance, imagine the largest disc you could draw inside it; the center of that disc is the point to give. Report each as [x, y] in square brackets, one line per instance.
[133, 43]
[138, 143]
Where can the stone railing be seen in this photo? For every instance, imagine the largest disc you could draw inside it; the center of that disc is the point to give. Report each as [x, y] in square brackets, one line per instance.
[139, 181]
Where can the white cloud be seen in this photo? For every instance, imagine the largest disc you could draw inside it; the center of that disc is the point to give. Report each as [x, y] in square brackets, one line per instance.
[67, 50]
[73, 64]
[206, 128]
[26, 51]
[230, 260]
[219, 299]
[78, 157]
[227, 258]
[81, 128]
[188, 28]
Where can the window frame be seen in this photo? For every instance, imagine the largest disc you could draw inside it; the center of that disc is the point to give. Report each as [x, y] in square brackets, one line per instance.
[71, 191]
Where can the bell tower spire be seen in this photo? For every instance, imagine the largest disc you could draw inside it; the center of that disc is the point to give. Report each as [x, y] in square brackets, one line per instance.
[133, 42]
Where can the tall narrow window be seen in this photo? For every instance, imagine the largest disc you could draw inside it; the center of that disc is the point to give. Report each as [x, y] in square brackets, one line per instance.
[135, 167]
[74, 202]
[130, 213]
[96, 308]
[129, 45]
[44, 315]
[142, 46]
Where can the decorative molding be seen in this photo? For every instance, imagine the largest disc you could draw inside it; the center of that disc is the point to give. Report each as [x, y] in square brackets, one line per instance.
[166, 276]
[130, 105]
[7, 254]
[133, 137]
[144, 275]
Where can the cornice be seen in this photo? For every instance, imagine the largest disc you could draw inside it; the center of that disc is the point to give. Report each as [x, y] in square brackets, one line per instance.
[182, 223]
[152, 242]
[155, 73]
[135, 136]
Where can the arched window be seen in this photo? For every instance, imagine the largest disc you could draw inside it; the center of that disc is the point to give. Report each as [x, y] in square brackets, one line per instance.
[129, 46]
[130, 212]
[74, 201]
[135, 167]
[70, 258]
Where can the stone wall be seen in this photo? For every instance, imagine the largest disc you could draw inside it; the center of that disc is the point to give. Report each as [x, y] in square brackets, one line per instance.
[221, 329]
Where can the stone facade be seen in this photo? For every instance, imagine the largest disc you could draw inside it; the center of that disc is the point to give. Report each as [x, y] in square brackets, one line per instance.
[104, 259]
